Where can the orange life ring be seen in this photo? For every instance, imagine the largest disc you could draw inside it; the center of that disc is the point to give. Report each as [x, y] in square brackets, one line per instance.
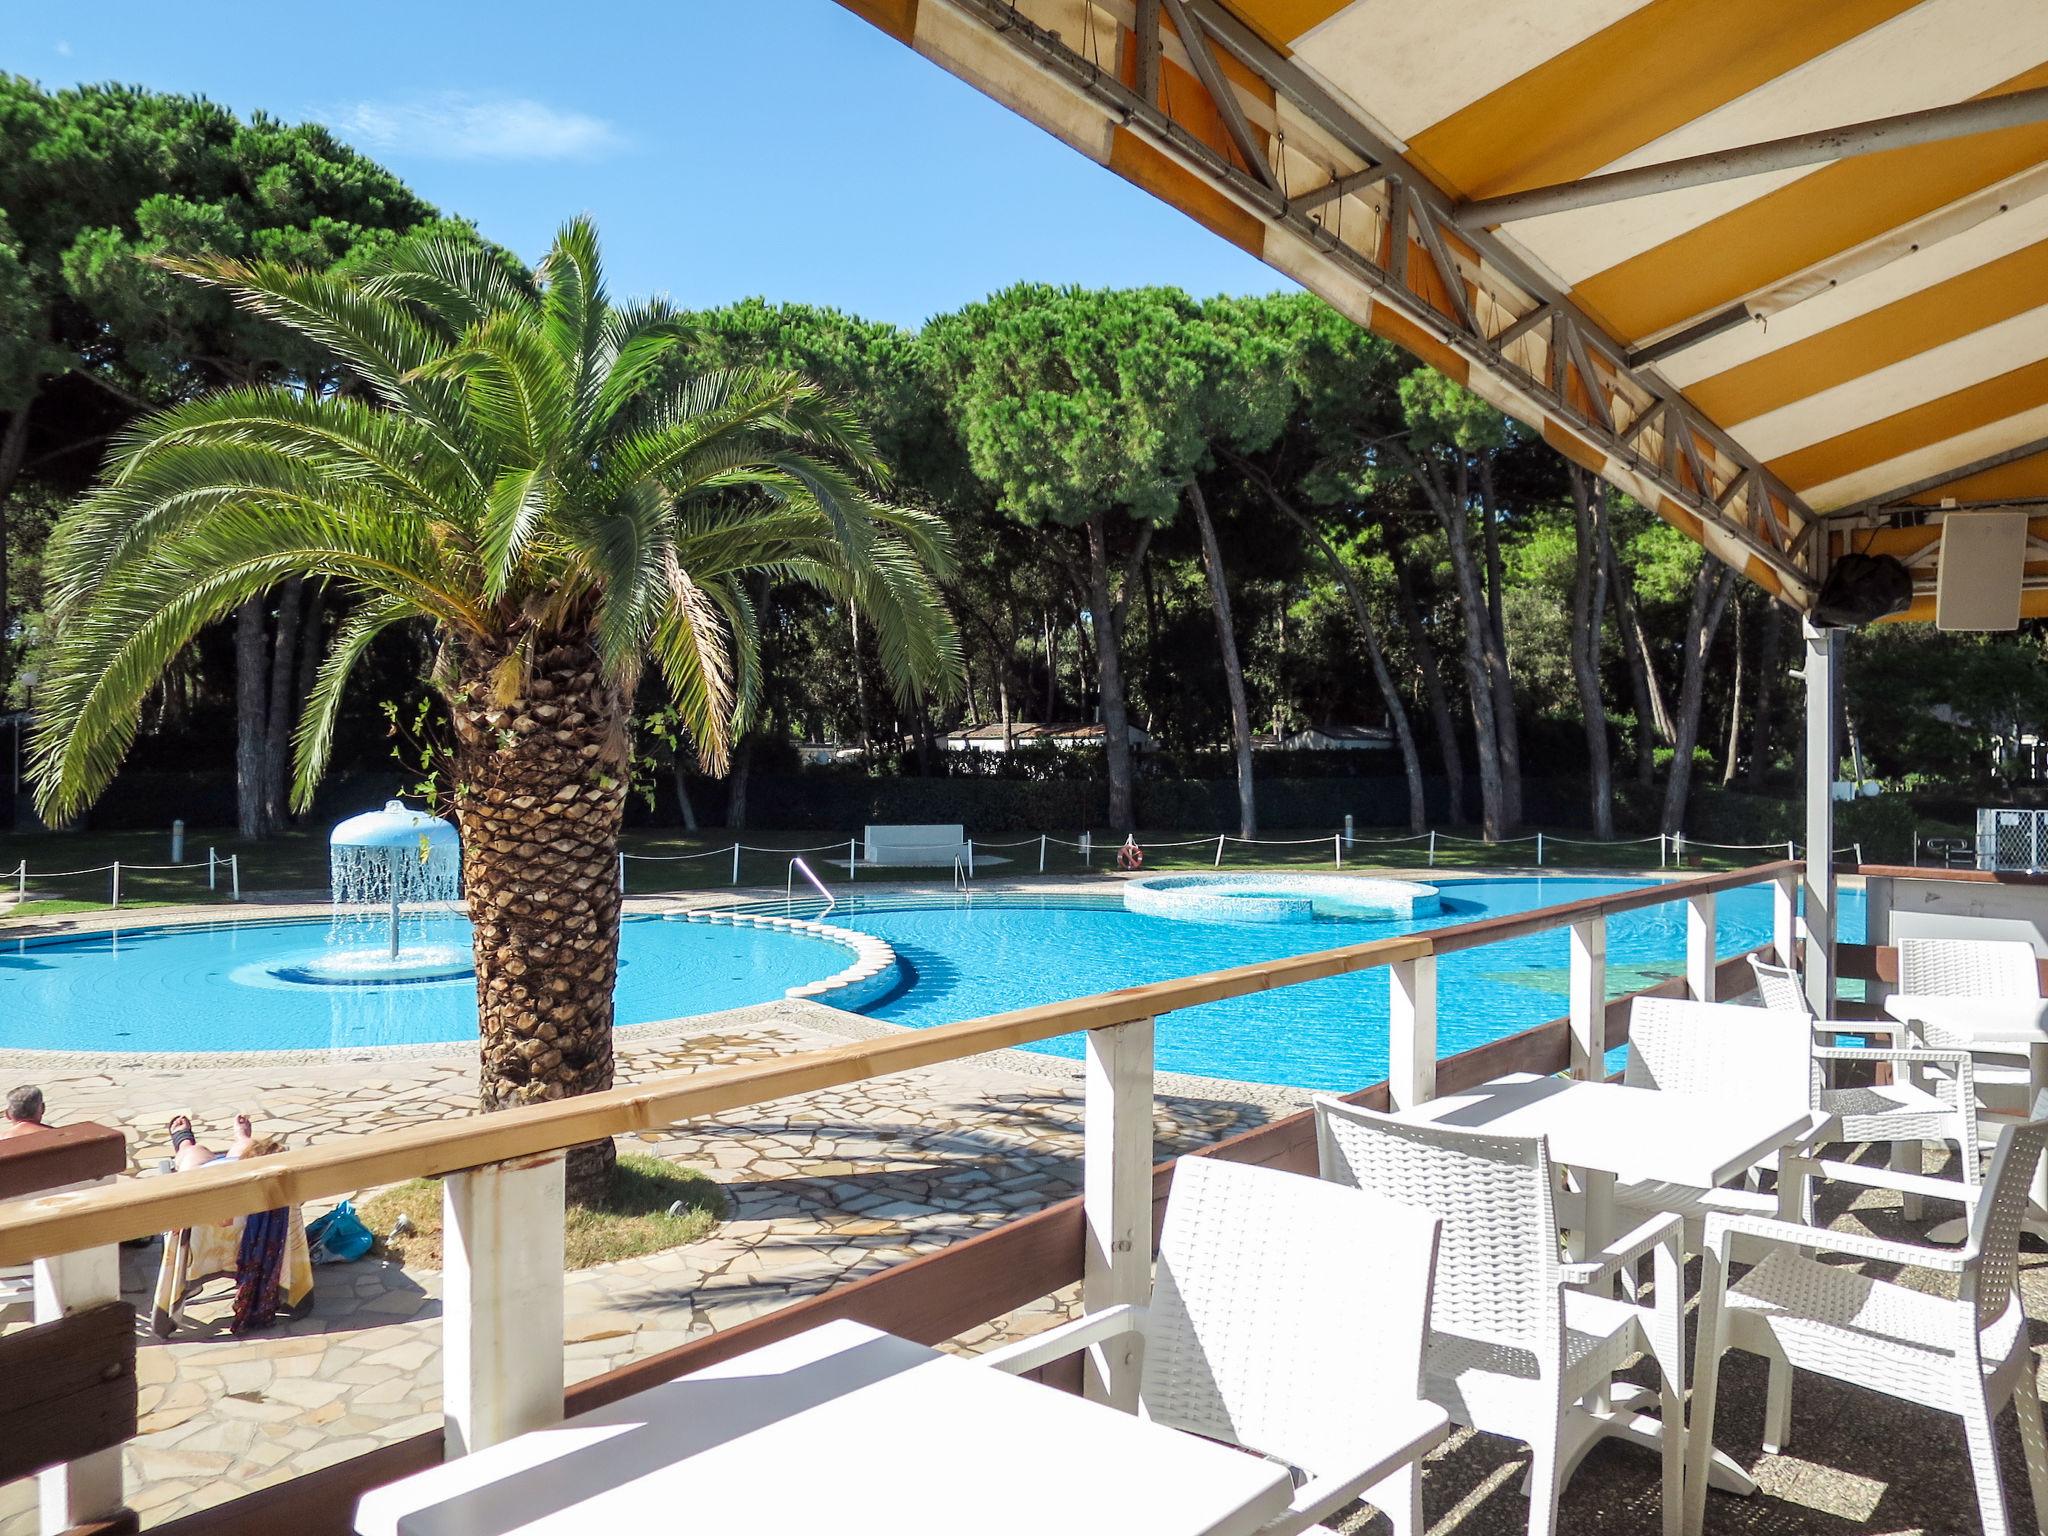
[1130, 856]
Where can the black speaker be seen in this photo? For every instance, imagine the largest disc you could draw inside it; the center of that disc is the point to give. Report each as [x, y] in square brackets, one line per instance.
[1861, 589]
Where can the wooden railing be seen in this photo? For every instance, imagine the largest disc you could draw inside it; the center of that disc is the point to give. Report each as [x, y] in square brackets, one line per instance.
[502, 1292]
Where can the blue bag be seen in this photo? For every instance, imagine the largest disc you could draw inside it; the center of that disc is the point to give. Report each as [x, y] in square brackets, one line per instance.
[339, 1237]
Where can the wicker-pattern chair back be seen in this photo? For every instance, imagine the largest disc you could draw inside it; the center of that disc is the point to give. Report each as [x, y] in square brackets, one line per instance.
[1968, 968]
[2001, 1210]
[1277, 1303]
[1497, 1260]
[1777, 986]
[1724, 1049]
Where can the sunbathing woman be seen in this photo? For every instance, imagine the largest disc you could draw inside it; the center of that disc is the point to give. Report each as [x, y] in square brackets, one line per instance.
[187, 1151]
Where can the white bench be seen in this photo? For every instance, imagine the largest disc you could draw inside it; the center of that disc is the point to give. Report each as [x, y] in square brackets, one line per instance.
[915, 847]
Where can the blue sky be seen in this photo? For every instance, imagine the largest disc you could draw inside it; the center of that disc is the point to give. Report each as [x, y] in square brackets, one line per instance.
[778, 147]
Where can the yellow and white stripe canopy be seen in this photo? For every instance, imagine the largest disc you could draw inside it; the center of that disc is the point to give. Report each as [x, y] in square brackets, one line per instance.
[1813, 319]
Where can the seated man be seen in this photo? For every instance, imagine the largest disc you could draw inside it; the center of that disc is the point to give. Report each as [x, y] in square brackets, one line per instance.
[24, 1112]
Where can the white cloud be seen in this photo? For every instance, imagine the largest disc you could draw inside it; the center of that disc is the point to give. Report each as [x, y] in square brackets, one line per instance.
[458, 126]
[63, 48]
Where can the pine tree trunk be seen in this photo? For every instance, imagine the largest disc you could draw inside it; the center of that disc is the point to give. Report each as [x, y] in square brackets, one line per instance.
[541, 790]
[277, 731]
[1710, 592]
[1588, 602]
[1507, 724]
[1653, 720]
[1368, 632]
[1116, 723]
[1445, 723]
[1766, 676]
[736, 783]
[13, 452]
[1734, 746]
[252, 701]
[1451, 512]
[1233, 670]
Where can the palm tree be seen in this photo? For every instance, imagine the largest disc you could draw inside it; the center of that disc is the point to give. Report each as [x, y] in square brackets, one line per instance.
[530, 471]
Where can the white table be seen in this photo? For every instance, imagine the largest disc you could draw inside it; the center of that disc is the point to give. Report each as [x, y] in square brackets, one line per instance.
[2013, 1025]
[1605, 1132]
[842, 1429]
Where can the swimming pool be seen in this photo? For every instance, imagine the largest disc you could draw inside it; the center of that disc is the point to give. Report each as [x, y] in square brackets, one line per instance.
[210, 987]
[214, 986]
[962, 959]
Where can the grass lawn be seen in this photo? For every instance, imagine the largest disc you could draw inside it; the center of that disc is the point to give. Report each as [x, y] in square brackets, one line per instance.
[662, 861]
[634, 1221]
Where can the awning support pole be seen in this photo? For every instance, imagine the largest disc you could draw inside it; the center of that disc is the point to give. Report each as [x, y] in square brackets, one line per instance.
[1823, 684]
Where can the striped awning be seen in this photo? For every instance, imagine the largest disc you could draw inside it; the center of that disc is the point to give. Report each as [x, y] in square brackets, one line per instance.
[1777, 269]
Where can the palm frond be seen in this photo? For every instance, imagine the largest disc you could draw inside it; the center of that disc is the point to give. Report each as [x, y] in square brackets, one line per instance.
[313, 741]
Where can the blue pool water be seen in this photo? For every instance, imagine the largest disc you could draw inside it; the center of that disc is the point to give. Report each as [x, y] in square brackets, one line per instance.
[979, 958]
[211, 987]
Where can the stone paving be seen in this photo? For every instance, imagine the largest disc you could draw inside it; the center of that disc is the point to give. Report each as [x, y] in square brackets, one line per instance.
[819, 1188]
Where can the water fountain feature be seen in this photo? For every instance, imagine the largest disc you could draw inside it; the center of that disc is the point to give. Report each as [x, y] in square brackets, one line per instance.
[396, 876]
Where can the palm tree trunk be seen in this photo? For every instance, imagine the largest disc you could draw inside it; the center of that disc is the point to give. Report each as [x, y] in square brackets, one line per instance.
[1233, 670]
[252, 678]
[1710, 592]
[541, 791]
[1446, 725]
[1116, 722]
[1589, 600]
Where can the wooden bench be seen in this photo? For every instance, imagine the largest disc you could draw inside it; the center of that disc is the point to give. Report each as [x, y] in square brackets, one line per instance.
[915, 847]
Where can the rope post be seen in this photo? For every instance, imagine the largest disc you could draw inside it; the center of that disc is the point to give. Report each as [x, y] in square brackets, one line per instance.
[1539, 850]
[1791, 852]
[735, 863]
[1219, 850]
[1041, 853]
[970, 858]
[212, 863]
[116, 902]
[1087, 850]
[1337, 849]
[235, 877]
[1432, 848]
[1678, 849]
[852, 860]
[21, 882]
[622, 873]
[1661, 844]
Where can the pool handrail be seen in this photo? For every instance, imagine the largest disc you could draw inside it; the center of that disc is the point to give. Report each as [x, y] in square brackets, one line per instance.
[789, 886]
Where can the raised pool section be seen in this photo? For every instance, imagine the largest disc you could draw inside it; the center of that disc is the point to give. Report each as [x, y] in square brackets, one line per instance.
[1269, 898]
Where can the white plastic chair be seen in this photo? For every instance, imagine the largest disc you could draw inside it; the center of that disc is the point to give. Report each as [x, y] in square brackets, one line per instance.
[1714, 1050]
[1903, 1113]
[1966, 1355]
[1287, 1317]
[1514, 1339]
[1974, 968]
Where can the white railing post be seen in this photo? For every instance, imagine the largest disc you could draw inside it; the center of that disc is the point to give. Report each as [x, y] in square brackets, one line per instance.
[1662, 847]
[1116, 1197]
[1219, 850]
[1411, 1031]
[1041, 853]
[622, 874]
[1087, 850]
[1784, 916]
[852, 858]
[88, 1489]
[970, 858]
[116, 899]
[1539, 850]
[1337, 849]
[212, 867]
[1432, 847]
[21, 881]
[1700, 955]
[501, 1305]
[1589, 998]
[235, 877]
[735, 863]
